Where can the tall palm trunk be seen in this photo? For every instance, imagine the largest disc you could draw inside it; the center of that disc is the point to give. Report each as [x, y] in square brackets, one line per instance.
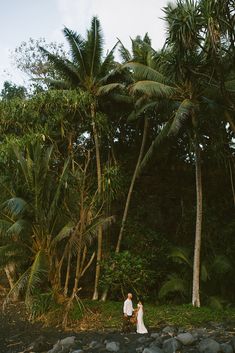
[77, 272]
[197, 246]
[128, 199]
[99, 184]
[66, 285]
[231, 180]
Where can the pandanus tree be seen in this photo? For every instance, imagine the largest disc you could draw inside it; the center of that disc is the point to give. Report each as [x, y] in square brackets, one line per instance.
[218, 48]
[87, 70]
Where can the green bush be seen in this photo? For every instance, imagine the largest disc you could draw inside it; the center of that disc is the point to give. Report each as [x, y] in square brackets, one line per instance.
[125, 272]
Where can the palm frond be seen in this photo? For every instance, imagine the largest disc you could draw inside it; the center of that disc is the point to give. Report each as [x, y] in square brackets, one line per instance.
[77, 46]
[153, 89]
[182, 114]
[64, 233]
[18, 287]
[108, 64]
[66, 68]
[109, 88]
[180, 255]
[4, 226]
[121, 98]
[57, 84]
[135, 114]
[15, 206]
[124, 52]
[37, 272]
[46, 158]
[174, 284]
[21, 226]
[94, 47]
[161, 137]
[91, 231]
[221, 265]
[145, 73]
[25, 166]
[89, 234]
[9, 253]
[216, 303]
[57, 194]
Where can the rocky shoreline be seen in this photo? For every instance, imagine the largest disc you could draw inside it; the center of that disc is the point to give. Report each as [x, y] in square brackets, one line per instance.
[215, 338]
[18, 335]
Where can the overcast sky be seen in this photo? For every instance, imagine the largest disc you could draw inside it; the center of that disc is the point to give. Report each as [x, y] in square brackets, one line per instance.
[22, 19]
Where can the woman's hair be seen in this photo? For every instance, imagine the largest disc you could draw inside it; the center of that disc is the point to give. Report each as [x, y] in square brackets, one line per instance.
[140, 299]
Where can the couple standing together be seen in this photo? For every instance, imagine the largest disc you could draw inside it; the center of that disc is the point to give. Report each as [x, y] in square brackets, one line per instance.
[132, 315]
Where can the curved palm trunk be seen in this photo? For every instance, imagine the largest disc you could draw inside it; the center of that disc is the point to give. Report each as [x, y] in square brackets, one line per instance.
[99, 184]
[125, 213]
[197, 246]
[128, 200]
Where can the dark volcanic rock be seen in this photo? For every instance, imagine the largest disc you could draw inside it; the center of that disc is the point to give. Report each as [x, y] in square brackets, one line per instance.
[209, 345]
[226, 348]
[171, 345]
[152, 350]
[112, 346]
[185, 338]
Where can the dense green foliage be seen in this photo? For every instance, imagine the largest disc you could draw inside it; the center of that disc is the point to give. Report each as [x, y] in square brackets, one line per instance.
[71, 147]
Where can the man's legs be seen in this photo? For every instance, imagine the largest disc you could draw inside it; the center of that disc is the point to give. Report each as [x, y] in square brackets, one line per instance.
[126, 327]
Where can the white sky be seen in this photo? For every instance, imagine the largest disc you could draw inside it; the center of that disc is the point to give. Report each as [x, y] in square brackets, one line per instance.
[22, 19]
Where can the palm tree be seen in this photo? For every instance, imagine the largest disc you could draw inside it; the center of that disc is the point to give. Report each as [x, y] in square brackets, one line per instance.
[31, 223]
[142, 53]
[184, 68]
[52, 223]
[178, 82]
[87, 70]
[142, 109]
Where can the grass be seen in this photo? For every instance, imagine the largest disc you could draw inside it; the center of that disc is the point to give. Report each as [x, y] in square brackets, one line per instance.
[98, 315]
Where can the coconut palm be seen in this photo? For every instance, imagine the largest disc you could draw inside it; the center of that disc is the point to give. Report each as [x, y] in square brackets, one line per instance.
[87, 70]
[181, 58]
[142, 52]
[142, 109]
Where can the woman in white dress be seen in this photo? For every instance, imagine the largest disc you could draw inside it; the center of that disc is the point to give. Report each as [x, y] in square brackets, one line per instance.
[140, 318]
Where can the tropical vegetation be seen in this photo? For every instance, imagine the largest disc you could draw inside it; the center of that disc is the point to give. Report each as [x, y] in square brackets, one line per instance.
[117, 170]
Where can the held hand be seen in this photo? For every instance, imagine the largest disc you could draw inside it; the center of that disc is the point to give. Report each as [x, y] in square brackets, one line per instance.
[125, 315]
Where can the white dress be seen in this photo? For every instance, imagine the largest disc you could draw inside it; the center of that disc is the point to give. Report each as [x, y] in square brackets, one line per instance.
[140, 321]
